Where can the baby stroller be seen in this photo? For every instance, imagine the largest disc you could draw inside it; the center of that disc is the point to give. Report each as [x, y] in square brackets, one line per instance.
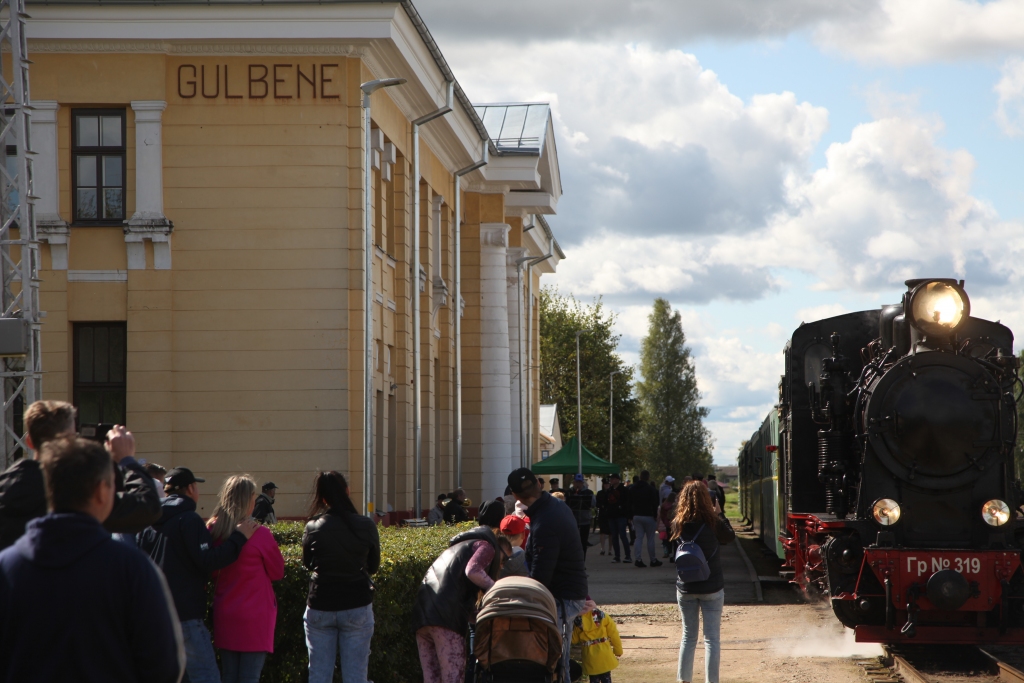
[516, 638]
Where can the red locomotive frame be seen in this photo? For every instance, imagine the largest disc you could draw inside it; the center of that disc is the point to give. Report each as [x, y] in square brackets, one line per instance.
[987, 570]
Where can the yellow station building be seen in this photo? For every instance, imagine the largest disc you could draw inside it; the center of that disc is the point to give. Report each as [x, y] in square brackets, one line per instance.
[199, 169]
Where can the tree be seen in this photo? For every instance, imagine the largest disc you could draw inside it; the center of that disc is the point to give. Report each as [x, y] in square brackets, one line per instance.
[560, 318]
[673, 438]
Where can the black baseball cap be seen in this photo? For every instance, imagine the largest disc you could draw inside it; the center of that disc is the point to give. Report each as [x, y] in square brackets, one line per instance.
[520, 479]
[614, 475]
[269, 485]
[182, 476]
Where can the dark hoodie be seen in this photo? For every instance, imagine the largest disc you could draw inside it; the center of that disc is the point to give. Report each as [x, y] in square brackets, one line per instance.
[447, 597]
[181, 545]
[77, 606]
[554, 550]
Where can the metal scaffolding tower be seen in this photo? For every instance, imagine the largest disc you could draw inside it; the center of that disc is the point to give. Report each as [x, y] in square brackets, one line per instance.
[21, 364]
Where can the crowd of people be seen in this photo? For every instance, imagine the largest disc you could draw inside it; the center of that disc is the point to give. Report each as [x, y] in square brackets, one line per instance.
[85, 524]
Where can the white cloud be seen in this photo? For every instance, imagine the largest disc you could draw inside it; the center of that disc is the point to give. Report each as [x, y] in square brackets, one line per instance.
[658, 21]
[821, 312]
[660, 147]
[916, 31]
[1010, 89]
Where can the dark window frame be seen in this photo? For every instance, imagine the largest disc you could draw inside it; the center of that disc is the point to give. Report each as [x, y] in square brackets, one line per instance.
[99, 152]
[108, 386]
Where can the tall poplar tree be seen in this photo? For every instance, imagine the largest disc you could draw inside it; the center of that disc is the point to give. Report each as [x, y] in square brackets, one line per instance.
[673, 438]
[560, 317]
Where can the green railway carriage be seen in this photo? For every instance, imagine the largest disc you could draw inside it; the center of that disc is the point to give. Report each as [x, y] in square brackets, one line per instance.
[759, 484]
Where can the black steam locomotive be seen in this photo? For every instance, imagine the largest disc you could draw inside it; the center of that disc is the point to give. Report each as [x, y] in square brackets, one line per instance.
[886, 475]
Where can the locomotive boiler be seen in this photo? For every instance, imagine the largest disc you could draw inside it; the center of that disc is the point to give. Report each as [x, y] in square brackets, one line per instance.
[885, 476]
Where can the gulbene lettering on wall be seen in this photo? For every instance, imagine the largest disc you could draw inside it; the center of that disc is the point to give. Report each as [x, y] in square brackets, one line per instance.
[258, 81]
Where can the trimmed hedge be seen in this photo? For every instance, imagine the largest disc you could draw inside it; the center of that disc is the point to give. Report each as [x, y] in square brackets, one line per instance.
[406, 554]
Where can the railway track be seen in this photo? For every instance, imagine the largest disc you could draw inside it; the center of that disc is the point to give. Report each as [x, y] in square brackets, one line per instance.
[947, 664]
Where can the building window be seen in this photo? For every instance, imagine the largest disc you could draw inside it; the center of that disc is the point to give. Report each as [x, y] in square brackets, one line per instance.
[98, 165]
[101, 354]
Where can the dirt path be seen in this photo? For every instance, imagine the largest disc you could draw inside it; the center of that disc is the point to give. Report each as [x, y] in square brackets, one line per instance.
[761, 643]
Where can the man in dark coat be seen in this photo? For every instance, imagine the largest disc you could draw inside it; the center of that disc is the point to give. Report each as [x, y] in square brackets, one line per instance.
[553, 551]
[264, 510]
[455, 512]
[74, 604]
[643, 504]
[580, 500]
[23, 497]
[181, 545]
[616, 506]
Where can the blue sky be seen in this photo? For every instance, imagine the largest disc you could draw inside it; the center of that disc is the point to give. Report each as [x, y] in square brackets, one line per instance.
[763, 162]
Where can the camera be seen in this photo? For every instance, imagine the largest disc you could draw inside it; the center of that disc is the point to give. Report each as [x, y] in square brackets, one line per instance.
[95, 432]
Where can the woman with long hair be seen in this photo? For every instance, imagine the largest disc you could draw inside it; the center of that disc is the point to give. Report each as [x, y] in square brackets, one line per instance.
[699, 520]
[342, 550]
[244, 604]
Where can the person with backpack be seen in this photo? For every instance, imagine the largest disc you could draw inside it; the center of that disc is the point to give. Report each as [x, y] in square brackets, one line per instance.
[341, 549]
[700, 585]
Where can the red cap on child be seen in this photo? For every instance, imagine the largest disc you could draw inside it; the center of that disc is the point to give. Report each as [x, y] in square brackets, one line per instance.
[512, 526]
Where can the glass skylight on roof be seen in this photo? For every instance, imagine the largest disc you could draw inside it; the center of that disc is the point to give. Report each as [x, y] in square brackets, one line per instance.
[516, 127]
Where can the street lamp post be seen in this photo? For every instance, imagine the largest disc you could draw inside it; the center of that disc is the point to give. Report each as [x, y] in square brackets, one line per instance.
[579, 415]
[611, 411]
[368, 89]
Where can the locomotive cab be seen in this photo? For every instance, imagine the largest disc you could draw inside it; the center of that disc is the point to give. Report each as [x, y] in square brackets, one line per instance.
[897, 432]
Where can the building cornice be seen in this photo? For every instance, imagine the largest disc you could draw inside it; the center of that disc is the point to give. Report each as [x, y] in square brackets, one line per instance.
[383, 35]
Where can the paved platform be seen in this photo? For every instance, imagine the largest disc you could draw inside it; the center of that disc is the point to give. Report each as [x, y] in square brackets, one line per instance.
[625, 583]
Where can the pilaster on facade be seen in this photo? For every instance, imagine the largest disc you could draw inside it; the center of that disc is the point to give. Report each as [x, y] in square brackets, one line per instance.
[50, 227]
[515, 321]
[495, 404]
[148, 222]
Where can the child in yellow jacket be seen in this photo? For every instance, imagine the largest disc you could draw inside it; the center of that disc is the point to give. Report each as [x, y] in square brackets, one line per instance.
[596, 632]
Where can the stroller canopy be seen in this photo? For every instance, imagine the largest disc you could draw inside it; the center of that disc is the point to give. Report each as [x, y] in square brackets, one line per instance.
[518, 596]
[518, 626]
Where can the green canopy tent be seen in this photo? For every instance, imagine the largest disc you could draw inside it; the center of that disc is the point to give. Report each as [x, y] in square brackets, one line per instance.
[566, 460]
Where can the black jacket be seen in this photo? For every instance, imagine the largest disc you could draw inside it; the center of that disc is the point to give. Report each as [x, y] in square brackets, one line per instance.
[616, 502]
[341, 549]
[181, 545]
[580, 503]
[264, 510]
[454, 513]
[23, 497]
[709, 541]
[554, 550]
[643, 500]
[447, 597]
[77, 606]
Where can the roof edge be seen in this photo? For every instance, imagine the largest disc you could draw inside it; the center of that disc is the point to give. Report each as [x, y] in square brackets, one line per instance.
[551, 236]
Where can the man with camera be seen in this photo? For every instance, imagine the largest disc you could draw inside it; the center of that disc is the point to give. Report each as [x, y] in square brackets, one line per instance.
[23, 497]
[75, 604]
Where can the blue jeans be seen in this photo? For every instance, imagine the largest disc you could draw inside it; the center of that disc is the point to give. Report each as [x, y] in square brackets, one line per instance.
[645, 526]
[200, 661]
[242, 667]
[568, 610]
[347, 633]
[617, 528]
[691, 605]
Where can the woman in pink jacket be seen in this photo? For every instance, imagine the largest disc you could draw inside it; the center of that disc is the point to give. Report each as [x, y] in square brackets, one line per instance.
[244, 604]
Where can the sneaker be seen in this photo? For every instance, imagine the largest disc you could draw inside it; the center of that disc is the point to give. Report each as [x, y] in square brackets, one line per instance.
[602, 552]
[629, 559]
[640, 563]
[616, 560]
[656, 563]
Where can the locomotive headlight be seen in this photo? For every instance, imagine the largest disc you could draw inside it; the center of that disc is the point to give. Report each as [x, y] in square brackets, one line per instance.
[938, 307]
[995, 512]
[886, 511]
